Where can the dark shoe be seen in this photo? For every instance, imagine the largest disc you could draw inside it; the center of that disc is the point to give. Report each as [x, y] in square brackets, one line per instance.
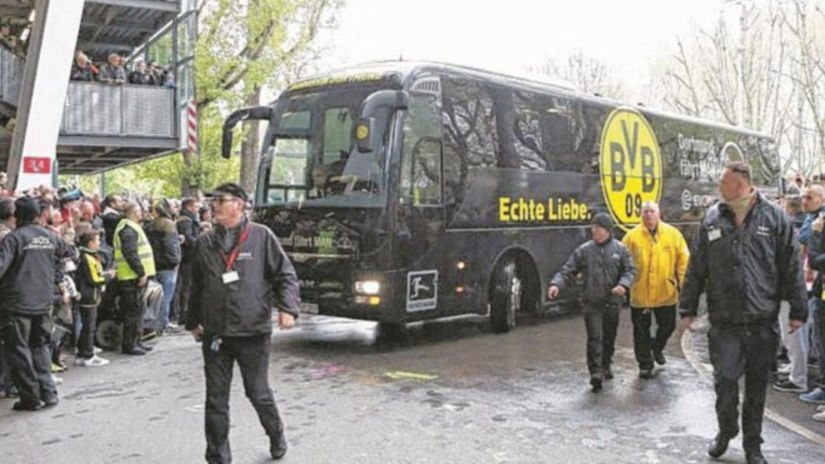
[135, 352]
[659, 357]
[596, 384]
[718, 446]
[755, 457]
[646, 374]
[608, 373]
[277, 447]
[145, 348]
[21, 406]
[788, 386]
[51, 401]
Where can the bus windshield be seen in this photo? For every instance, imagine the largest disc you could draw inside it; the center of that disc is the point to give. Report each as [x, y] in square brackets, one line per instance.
[313, 158]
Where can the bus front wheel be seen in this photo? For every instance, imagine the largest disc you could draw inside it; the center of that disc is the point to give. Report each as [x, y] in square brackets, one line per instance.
[505, 296]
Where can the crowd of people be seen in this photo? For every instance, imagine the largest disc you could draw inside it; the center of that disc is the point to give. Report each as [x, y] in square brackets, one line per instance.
[9, 40]
[127, 261]
[116, 71]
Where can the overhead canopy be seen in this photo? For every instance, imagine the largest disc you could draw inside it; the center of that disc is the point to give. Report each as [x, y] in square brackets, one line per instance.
[120, 26]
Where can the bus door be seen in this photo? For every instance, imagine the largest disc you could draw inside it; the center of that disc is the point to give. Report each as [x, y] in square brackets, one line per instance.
[420, 209]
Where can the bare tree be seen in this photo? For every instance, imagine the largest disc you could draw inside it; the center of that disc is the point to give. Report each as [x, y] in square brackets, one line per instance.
[806, 23]
[587, 74]
[743, 78]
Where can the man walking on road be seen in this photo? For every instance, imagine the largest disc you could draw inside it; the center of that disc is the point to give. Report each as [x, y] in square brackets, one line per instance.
[609, 272]
[660, 254]
[28, 269]
[746, 260]
[240, 272]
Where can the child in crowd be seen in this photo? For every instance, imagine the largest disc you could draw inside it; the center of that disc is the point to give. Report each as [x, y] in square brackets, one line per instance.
[91, 280]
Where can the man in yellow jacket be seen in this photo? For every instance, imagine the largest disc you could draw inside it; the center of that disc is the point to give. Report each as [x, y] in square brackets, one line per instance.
[661, 256]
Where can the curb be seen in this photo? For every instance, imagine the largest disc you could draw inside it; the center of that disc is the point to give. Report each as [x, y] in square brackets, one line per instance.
[707, 374]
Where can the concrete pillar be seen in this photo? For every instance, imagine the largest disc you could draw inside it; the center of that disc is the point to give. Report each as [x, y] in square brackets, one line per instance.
[43, 92]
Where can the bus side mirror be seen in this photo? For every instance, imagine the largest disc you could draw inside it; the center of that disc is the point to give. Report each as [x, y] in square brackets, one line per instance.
[366, 135]
[254, 113]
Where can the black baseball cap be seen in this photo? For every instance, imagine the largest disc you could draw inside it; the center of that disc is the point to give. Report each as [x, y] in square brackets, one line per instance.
[230, 188]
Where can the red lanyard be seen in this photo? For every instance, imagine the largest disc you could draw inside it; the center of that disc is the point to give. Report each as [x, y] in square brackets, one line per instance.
[233, 255]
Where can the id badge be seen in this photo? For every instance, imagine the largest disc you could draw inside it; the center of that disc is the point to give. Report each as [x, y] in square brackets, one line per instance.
[230, 276]
[714, 234]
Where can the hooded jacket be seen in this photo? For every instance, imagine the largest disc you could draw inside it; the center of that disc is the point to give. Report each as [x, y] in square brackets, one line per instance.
[745, 271]
[90, 278]
[163, 236]
[661, 263]
[604, 266]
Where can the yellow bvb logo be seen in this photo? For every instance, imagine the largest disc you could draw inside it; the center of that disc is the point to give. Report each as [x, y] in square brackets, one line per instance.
[630, 165]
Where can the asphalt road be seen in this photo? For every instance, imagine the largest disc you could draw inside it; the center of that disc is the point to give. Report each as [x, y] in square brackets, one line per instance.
[448, 393]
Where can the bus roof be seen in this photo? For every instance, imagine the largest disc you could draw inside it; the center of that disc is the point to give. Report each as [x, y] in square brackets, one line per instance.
[406, 69]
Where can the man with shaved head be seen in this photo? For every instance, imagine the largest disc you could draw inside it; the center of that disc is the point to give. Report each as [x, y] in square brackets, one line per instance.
[746, 260]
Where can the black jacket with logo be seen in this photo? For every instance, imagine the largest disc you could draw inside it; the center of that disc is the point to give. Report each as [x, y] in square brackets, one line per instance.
[745, 271]
[604, 266]
[29, 257]
[267, 280]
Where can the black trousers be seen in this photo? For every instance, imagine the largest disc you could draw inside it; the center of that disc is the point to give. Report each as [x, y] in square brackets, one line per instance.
[601, 324]
[27, 350]
[252, 356]
[734, 350]
[131, 312]
[86, 341]
[182, 289]
[643, 344]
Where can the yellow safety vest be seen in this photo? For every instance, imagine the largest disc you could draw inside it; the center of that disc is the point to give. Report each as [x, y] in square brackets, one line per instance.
[124, 271]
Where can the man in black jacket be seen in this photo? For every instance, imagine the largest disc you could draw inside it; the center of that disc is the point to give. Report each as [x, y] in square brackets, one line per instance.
[609, 272]
[28, 270]
[189, 228]
[746, 260]
[239, 274]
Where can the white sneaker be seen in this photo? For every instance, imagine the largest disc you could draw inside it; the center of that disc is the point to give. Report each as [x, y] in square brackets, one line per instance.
[95, 361]
[78, 361]
[784, 369]
[98, 350]
[57, 380]
[820, 408]
[819, 417]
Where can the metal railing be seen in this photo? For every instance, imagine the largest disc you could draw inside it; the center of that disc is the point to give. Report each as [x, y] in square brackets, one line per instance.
[98, 109]
[11, 76]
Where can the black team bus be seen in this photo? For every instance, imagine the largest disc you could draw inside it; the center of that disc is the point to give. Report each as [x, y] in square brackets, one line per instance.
[409, 191]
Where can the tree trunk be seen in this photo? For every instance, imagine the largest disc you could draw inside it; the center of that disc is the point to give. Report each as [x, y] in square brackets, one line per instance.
[250, 149]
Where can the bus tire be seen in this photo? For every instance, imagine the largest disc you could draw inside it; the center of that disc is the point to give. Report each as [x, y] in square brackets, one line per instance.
[505, 296]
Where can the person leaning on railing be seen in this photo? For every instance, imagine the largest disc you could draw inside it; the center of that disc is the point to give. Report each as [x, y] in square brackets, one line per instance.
[113, 72]
[83, 69]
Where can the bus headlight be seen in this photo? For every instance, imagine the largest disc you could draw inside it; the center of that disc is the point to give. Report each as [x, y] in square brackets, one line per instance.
[367, 287]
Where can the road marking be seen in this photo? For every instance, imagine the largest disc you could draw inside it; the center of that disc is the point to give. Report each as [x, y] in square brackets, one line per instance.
[698, 366]
[397, 375]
